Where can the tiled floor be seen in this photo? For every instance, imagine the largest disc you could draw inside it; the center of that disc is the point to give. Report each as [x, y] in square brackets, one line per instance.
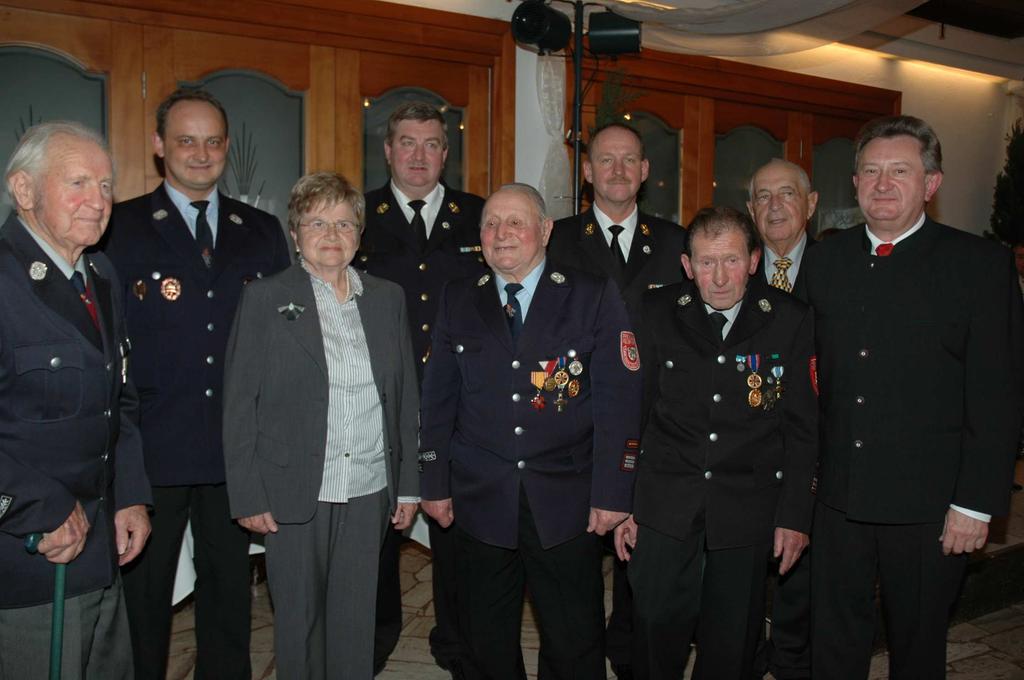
[986, 648]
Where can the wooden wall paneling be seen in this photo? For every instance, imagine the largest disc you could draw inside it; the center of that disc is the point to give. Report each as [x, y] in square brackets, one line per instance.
[825, 128]
[476, 132]
[128, 142]
[197, 54]
[319, 121]
[799, 145]
[730, 115]
[379, 73]
[348, 116]
[158, 63]
[86, 41]
[503, 114]
[698, 171]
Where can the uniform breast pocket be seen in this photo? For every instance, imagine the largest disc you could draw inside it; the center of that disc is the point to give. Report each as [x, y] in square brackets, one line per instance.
[469, 354]
[49, 382]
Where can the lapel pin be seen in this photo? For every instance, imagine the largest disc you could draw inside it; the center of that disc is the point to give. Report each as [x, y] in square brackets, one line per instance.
[160, 214]
[383, 208]
[647, 250]
[291, 311]
[684, 300]
[454, 207]
[558, 277]
[139, 288]
[764, 305]
[645, 230]
[483, 280]
[235, 218]
[589, 229]
[170, 288]
[37, 271]
[445, 225]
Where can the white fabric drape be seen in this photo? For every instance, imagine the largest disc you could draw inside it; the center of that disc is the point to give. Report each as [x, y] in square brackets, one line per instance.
[556, 178]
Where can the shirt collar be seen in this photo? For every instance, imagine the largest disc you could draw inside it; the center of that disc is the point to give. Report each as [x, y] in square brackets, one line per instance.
[529, 282]
[355, 283]
[628, 225]
[432, 200]
[875, 241]
[730, 314]
[794, 255]
[184, 204]
[65, 267]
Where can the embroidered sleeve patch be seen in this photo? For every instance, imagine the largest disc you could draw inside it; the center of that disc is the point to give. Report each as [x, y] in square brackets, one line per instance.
[5, 502]
[628, 463]
[428, 456]
[629, 351]
[633, 444]
[814, 374]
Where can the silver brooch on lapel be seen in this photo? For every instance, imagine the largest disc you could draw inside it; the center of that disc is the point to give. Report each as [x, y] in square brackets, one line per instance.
[647, 250]
[483, 279]
[445, 225]
[558, 277]
[291, 311]
[764, 305]
[684, 300]
[160, 214]
[37, 271]
[235, 218]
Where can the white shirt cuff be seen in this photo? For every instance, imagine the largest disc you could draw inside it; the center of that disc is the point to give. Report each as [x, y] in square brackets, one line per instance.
[408, 499]
[973, 514]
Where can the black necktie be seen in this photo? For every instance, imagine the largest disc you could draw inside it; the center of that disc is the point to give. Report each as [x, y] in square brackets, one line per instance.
[513, 310]
[419, 226]
[617, 229]
[718, 322]
[204, 236]
[78, 281]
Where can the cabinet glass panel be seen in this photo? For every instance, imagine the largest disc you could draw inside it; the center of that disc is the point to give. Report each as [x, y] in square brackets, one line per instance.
[738, 153]
[376, 111]
[265, 124]
[43, 86]
[660, 193]
[833, 180]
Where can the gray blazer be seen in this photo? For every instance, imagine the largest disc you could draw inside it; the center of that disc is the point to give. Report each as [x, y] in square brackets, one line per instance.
[276, 391]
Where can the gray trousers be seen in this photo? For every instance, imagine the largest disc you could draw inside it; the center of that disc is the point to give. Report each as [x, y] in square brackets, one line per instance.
[96, 640]
[323, 583]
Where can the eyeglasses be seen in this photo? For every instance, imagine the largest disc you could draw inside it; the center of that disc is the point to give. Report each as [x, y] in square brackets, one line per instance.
[321, 226]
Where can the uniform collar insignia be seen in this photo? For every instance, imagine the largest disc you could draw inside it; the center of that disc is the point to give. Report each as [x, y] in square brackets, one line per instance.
[454, 207]
[764, 305]
[383, 208]
[483, 280]
[37, 271]
[558, 277]
[644, 229]
[160, 214]
[235, 218]
[684, 300]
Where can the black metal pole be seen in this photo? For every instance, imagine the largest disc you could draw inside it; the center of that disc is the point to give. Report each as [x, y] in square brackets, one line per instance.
[577, 104]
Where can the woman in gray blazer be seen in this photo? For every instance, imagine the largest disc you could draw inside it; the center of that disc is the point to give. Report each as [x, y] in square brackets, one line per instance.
[320, 432]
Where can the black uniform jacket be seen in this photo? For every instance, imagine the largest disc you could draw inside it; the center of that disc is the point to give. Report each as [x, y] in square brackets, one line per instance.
[714, 457]
[390, 250]
[654, 256]
[916, 366]
[66, 418]
[482, 435]
[179, 314]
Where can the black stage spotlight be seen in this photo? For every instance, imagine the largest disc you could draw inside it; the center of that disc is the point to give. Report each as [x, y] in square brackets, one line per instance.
[534, 23]
[609, 33]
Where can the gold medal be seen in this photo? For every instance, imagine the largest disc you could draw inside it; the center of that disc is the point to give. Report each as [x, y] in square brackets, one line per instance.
[550, 384]
[755, 398]
[139, 289]
[753, 381]
[574, 388]
[170, 288]
[561, 378]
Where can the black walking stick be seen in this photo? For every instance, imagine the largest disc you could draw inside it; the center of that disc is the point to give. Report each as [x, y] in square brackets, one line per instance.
[57, 623]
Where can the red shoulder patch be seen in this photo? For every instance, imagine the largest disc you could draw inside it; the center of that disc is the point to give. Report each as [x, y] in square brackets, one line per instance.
[629, 351]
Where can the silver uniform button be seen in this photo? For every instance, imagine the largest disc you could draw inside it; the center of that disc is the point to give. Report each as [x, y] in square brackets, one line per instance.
[109, 367]
[56, 362]
[209, 392]
[209, 327]
[778, 474]
[713, 436]
[521, 464]
[721, 358]
[107, 413]
[519, 430]
[516, 397]
[669, 364]
[716, 398]
[209, 359]
[859, 400]
[105, 456]
[459, 349]
[571, 353]
[515, 363]
[707, 474]
[857, 444]
[863, 353]
[209, 293]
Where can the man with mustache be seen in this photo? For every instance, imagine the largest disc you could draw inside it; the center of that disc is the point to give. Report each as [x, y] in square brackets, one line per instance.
[183, 253]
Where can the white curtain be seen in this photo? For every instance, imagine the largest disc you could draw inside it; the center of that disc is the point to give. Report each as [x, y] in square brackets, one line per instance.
[556, 177]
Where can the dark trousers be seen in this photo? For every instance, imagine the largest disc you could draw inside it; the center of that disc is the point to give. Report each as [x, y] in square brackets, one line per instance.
[919, 586]
[619, 634]
[222, 600]
[444, 637]
[389, 599]
[566, 588]
[788, 650]
[681, 589]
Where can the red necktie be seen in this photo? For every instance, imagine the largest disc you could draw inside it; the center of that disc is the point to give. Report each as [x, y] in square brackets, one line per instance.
[78, 281]
[884, 249]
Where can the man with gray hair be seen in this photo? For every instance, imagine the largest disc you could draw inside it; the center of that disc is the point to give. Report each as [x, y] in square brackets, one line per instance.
[71, 465]
[529, 437]
[920, 409]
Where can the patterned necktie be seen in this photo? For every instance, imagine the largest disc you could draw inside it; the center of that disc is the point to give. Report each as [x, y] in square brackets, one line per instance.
[204, 236]
[779, 278]
[513, 310]
[884, 249]
[616, 247]
[718, 320]
[78, 281]
[419, 225]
